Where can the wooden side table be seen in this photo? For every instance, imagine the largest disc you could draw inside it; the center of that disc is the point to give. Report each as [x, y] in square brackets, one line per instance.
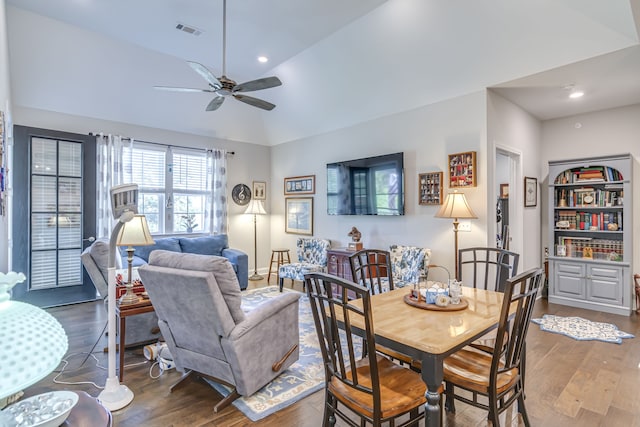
[278, 257]
[122, 312]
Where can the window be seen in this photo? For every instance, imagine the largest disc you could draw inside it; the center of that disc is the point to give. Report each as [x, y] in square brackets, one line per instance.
[172, 186]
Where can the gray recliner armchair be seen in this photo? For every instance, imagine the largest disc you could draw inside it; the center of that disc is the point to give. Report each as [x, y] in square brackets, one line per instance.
[198, 303]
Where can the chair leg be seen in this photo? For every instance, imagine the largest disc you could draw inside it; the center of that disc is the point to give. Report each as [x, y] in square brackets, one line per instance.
[184, 379]
[523, 410]
[226, 401]
[329, 410]
[493, 412]
[449, 404]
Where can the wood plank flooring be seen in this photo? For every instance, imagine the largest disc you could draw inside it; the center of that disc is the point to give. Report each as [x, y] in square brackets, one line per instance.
[569, 383]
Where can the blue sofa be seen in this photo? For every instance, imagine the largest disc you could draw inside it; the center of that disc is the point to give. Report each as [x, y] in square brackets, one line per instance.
[206, 245]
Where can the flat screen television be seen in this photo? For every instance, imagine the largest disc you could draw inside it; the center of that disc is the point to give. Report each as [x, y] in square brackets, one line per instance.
[369, 186]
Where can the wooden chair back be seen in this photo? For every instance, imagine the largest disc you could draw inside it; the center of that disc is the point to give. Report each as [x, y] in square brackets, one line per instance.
[486, 268]
[338, 348]
[371, 268]
[522, 291]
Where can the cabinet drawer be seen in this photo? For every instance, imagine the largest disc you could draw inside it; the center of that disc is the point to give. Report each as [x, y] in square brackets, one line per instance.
[568, 268]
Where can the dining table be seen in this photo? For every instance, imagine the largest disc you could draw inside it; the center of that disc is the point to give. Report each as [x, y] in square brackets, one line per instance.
[431, 334]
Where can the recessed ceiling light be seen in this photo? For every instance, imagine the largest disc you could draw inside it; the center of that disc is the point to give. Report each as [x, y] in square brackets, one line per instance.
[263, 59]
[576, 94]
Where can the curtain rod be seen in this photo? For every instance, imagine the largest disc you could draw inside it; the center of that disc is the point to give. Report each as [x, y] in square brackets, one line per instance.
[229, 153]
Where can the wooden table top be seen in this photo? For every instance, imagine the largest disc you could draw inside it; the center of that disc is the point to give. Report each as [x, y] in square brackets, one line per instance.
[430, 331]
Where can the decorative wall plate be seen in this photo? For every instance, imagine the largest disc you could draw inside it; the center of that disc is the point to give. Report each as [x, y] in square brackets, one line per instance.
[241, 194]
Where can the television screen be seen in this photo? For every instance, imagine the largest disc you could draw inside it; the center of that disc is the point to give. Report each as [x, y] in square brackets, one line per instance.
[369, 186]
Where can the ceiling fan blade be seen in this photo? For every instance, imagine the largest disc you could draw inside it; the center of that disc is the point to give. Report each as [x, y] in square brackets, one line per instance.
[205, 73]
[255, 102]
[215, 103]
[182, 89]
[258, 84]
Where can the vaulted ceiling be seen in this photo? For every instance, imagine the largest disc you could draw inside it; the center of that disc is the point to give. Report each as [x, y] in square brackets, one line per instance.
[341, 62]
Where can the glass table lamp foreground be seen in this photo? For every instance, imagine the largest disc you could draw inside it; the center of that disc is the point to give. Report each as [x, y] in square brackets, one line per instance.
[32, 342]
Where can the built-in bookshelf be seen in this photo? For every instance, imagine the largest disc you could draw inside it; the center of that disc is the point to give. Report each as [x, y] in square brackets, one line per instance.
[590, 233]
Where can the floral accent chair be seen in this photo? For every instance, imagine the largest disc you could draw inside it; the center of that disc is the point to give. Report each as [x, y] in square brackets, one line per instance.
[408, 263]
[312, 257]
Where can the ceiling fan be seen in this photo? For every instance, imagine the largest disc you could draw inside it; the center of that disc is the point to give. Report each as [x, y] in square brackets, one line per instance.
[224, 86]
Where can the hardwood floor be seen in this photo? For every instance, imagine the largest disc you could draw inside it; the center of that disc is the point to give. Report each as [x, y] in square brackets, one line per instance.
[568, 383]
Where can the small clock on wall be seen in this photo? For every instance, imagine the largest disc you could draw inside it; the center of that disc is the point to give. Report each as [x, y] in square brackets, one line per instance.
[241, 194]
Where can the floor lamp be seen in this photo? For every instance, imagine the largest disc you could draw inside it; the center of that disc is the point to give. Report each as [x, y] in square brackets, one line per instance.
[456, 207]
[124, 206]
[255, 208]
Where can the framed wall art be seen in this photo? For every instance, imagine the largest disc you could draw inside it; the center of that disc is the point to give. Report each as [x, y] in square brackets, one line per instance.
[530, 192]
[299, 215]
[430, 188]
[300, 185]
[462, 169]
[259, 190]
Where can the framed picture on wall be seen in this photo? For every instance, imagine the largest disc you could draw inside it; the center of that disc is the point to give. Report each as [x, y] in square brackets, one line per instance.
[300, 185]
[299, 215]
[530, 192]
[430, 188]
[462, 169]
[259, 190]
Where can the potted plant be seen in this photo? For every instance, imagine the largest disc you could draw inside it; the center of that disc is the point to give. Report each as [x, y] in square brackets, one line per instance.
[189, 222]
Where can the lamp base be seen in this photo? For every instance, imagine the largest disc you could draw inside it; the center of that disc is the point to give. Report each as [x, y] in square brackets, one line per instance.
[115, 395]
[256, 276]
[129, 297]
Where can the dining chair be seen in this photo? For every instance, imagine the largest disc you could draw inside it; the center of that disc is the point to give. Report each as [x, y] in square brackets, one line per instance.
[486, 268]
[372, 387]
[497, 375]
[372, 269]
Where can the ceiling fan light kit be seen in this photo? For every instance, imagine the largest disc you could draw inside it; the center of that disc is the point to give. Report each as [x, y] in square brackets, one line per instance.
[224, 86]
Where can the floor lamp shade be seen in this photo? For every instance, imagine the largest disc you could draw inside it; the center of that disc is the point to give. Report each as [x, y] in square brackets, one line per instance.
[133, 233]
[255, 208]
[455, 206]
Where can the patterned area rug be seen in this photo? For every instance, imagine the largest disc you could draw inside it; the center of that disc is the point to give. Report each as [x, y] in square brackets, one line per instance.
[581, 329]
[301, 379]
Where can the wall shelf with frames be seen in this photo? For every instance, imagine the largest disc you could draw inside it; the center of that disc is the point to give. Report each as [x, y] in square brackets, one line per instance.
[430, 188]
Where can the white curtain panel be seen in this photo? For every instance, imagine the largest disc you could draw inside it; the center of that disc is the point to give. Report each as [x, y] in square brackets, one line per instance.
[216, 206]
[110, 171]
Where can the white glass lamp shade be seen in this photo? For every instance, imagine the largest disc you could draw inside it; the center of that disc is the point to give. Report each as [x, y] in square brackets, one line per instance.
[255, 208]
[135, 233]
[456, 206]
[32, 342]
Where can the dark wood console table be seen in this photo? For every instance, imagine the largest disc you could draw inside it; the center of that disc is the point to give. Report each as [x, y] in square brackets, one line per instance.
[122, 312]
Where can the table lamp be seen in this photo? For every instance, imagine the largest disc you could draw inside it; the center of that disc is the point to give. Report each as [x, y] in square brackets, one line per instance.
[32, 342]
[133, 233]
[456, 207]
[255, 208]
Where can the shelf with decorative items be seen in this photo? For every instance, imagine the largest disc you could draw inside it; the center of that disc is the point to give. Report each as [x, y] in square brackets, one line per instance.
[430, 188]
[590, 229]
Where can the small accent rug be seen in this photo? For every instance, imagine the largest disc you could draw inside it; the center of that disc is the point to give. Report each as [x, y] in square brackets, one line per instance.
[581, 329]
[304, 377]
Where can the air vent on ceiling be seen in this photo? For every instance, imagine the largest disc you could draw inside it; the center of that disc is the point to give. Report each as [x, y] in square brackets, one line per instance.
[188, 29]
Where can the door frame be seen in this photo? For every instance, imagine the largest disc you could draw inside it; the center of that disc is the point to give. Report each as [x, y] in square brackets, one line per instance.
[20, 230]
[516, 197]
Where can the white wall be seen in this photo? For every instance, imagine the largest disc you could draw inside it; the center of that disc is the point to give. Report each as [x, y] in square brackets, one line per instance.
[5, 106]
[426, 136]
[250, 163]
[512, 128]
[607, 132]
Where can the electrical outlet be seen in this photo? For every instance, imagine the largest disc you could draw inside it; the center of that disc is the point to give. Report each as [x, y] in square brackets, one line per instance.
[464, 225]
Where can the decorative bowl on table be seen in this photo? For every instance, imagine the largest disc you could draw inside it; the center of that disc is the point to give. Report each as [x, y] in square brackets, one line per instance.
[44, 410]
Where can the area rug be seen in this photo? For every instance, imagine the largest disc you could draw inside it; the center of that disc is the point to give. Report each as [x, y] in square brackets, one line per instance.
[581, 329]
[304, 377]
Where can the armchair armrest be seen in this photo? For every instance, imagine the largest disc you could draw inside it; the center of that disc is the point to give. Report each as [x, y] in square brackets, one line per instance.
[262, 313]
[241, 260]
